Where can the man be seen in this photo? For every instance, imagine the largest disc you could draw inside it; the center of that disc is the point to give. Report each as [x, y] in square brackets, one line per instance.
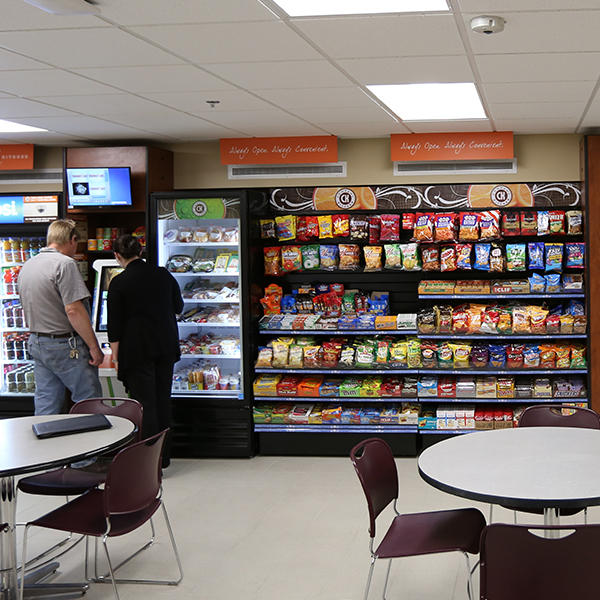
[62, 343]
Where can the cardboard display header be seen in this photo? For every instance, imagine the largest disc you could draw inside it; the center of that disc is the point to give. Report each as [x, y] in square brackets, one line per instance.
[279, 150]
[427, 147]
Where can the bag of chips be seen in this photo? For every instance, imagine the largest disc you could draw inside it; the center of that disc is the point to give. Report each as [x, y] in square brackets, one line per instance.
[423, 231]
[468, 230]
[489, 225]
[390, 228]
[515, 257]
[543, 222]
[554, 256]
[393, 256]
[291, 258]
[310, 257]
[556, 222]
[552, 281]
[463, 256]
[410, 257]
[286, 228]
[514, 356]
[273, 260]
[374, 229]
[307, 228]
[349, 257]
[408, 221]
[341, 225]
[462, 355]
[448, 258]
[482, 257]
[359, 228]
[575, 255]
[574, 220]
[430, 256]
[329, 257]
[536, 255]
[445, 227]
[325, 226]
[536, 284]
[497, 259]
[373, 260]
[497, 356]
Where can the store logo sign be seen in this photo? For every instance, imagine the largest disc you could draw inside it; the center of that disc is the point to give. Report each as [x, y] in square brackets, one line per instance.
[501, 195]
[11, 209]
[199, 209]
[345, 198]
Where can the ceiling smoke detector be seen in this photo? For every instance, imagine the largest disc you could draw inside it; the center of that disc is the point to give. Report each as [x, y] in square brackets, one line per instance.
[487, 24]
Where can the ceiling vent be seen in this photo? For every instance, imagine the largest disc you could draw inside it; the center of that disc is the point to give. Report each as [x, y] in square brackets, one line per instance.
[463, 167]
[286, 171]
[31, 177]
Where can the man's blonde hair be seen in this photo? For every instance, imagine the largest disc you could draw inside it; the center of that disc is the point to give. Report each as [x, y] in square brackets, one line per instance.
[61, 232]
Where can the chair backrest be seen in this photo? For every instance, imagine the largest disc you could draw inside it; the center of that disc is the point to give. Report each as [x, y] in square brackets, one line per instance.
[545, 415]
[127, 408]
[134, 476]
[374, 463]
[518, 563]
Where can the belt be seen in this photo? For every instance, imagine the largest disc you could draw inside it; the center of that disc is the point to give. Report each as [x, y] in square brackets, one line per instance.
[54, 335]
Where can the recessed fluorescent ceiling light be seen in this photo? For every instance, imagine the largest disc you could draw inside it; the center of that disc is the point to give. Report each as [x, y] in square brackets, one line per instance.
[431, 101]
[306, 8]
[10, 127]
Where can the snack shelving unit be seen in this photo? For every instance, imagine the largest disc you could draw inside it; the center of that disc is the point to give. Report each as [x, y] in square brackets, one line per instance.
[337, 438]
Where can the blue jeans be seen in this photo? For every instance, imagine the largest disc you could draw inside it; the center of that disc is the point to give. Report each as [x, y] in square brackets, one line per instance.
[55, 370]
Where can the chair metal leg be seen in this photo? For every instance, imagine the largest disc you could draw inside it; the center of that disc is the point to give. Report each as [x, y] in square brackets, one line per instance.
[369, 576]
[387, 577]
[469, 578]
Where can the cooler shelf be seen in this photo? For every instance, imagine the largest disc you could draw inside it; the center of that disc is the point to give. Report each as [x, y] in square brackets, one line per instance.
[282, 428]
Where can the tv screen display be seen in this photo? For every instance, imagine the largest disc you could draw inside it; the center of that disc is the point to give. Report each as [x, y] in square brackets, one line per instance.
[99, 187]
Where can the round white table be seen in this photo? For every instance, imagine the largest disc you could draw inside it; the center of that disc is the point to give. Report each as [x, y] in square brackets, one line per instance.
[22, 452]
[525, 467]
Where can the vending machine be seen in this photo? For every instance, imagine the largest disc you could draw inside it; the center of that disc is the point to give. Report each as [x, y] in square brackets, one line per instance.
[24, 219]
[199, 237]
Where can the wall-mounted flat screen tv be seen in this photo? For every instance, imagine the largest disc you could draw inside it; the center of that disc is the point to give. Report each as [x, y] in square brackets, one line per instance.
[99, 187]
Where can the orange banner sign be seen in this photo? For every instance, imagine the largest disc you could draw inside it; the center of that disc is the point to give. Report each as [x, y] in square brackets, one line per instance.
[496, 145]
[15, 157]
[280, 150]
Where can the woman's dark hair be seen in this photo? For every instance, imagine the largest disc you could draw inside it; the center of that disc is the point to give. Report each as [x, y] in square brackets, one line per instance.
[127, 246]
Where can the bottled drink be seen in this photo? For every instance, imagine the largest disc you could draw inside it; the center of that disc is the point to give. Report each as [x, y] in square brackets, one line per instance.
[25, 250]
[15, 246]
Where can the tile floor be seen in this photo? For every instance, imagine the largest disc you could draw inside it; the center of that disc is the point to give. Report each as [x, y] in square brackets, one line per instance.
[274, 528]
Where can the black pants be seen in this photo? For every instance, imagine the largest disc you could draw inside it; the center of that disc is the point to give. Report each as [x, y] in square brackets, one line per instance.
[150, 384]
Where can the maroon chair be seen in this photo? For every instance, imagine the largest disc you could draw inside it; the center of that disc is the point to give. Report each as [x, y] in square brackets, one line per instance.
[409, 534]
[131, 495]
[68, 481]
[556, 415]
[519, 563]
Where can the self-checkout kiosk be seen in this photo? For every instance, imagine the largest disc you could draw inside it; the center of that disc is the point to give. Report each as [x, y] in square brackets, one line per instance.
[105, 270]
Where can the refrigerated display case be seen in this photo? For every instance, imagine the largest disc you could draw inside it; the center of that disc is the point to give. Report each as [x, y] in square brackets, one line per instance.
[24, 219]
[199, 238]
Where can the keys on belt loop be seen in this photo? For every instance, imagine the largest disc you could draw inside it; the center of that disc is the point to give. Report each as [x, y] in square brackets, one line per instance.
[74, 353]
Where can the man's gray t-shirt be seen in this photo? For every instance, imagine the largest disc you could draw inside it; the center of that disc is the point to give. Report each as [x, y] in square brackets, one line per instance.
[47, 283]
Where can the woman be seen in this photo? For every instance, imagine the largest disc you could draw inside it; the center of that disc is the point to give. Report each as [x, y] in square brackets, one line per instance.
[143, 302]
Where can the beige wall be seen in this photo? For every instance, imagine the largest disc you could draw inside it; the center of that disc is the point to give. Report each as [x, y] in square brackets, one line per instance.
[539, 158]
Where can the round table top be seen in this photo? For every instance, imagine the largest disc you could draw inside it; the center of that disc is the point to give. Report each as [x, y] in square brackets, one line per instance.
[524, 467]
[22, 452]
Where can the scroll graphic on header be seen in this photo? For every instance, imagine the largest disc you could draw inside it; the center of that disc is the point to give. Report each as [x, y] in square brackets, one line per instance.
[279, 150]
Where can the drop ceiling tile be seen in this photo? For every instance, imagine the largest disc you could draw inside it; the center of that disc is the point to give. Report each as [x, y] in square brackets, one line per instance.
[76, 48]
[549, 31]
[592, 117]
[401, 69]
[14, 108]
[533, 92]
[337, 97]
[282, 75]
[9, 61]
[146, 79]
[158, 12]
[364, 129]
[576, 66]
[80, 126]
[535, 126]
[101, 106]
[19, 15]
[449, 126]
[49, 82]
[384, 36]
[230, 42]
[197, 102]
[541, 110]
[262, 123]
[373, 114]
